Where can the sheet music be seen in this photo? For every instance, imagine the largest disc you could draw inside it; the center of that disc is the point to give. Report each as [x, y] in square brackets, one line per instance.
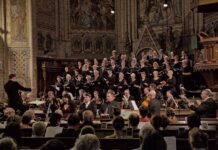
[135, 107]
[52, 131]
[37, 102]
[171, 142]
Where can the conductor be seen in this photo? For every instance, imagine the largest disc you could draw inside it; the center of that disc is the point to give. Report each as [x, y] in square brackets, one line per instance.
[12, 88]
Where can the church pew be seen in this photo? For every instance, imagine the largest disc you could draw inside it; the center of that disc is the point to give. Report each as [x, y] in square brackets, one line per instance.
[106, 144]
[110, 144]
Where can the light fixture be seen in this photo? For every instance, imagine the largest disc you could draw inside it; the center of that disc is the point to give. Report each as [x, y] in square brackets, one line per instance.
[112, 12]
[165, 5]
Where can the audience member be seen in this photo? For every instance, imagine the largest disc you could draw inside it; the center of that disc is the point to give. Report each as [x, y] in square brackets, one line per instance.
[144, 132]
[38, 129]
[53, 144]
[143, 110]
[198, 139]
[7, 144]
[87, 142]
[154, 141]
[87, 130]
[118, 125]
[73, 127]
[88, 118]
[134, 120]
[13, 130]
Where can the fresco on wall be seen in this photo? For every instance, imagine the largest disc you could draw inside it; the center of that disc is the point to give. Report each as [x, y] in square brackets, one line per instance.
[92, 14]
[152, 11]
[18, 20]
[46, 14]
[164, 23]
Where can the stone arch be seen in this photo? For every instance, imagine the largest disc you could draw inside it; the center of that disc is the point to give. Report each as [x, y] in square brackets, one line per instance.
[145, 49]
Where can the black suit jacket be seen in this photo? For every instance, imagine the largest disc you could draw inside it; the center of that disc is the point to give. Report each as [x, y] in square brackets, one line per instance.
[109, 107]
[154, 107]
[92, 106]
[206, 109]
[12, 88]
[68, 133]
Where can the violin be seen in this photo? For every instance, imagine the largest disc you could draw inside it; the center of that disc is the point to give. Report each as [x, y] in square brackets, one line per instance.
[146, 102]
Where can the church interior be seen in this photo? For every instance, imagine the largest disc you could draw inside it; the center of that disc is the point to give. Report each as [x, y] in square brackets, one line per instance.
[109, 74]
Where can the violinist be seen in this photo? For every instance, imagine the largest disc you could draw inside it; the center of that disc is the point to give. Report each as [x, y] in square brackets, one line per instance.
[146, 99]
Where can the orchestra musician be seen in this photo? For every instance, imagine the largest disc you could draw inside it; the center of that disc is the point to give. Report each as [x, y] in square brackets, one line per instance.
[126, 100]
[107, 108]
[88, 104]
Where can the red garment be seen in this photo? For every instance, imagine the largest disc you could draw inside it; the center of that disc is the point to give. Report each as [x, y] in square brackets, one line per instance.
[144, 120]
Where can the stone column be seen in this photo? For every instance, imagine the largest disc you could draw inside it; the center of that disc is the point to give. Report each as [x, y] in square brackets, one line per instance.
[3, 49]
[20, 41]
[126, 23]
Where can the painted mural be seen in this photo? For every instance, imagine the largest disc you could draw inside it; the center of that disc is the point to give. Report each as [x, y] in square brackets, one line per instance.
[18, 23]
[46, 14]
[92, 14]
[165, 23]
[152, 11]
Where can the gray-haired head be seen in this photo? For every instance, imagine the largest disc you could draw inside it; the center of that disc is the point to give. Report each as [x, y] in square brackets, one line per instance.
[7, 144]
[38, 129]
[87, 142]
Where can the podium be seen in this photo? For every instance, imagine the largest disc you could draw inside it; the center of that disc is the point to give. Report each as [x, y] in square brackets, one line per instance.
[208, 65]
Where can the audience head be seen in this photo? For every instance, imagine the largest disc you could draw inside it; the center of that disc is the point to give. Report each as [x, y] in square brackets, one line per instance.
[30, 113]
[143, 110]
[7, 144]
[87, 142]
[13, 130]
[118, 123]
[134, 120]
[55, 119]
[198, 139]
[13, 119]
[145, 131]
[88, 116]
[38, 129]
[26, 120]
[193, 120]
[74, 121]
[159, 121]
[53, 144]
[9, 112]
[117, 111]
[87, 130]
[154, 141]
